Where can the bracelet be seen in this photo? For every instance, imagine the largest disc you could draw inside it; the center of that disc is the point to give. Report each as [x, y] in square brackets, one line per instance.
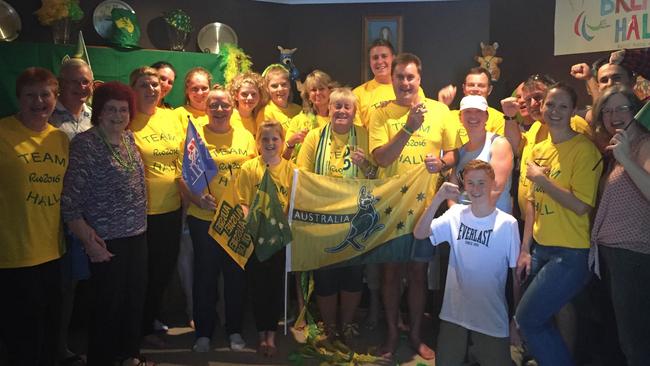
[508, 118]
[408, 130]
[289, 146]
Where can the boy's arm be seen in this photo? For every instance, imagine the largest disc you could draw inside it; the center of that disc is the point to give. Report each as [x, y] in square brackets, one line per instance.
[422, 229]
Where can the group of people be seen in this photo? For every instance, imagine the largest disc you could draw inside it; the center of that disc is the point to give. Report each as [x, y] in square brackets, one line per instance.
[97, 193]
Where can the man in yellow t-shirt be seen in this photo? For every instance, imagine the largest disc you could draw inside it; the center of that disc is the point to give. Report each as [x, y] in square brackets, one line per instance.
[378, 91]
[404, 133]
[477, 82]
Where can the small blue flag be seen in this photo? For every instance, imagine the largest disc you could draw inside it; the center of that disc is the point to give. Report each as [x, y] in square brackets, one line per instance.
[198, 166]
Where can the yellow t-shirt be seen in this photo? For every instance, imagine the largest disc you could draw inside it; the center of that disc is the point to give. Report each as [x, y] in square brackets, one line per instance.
[571, 167]
[339, 151]
[371, 95]
[33, 165]
[199, 118]
[434, 136]
[536, 134]
[495, 124]
[229, 151]
[272, 112]
[159, 139]
[251, 175]
[249, 123]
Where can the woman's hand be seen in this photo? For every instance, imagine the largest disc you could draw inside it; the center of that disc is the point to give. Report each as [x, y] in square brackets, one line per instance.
[619, 145]
[94, 245]
[535, 172]
[207, 202]
[523, 267]
[96, 249]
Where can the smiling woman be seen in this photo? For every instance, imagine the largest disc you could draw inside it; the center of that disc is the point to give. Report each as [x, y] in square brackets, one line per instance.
[104, 204]
[158, 134]
[33, 157]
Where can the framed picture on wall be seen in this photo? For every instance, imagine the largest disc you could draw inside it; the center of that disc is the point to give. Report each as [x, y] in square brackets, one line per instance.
[388, 27]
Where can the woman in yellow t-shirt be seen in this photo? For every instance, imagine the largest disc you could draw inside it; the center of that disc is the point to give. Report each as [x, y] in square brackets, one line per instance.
[248, 92]
[315, 96]
[197, 85]
[265, 278]
[338, 149]
[229, 147]
[158, 135]
[167, 76]
[555, 245]
[33, 160]
[278, 86]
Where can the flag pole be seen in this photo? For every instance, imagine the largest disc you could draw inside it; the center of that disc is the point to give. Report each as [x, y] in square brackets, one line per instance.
[207, 184]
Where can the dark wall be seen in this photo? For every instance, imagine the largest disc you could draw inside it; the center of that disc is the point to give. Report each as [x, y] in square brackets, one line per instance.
[524, 30]
[445, 35]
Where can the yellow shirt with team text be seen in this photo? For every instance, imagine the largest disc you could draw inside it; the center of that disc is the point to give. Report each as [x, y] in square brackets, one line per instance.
[33, 165]
[495, 124]
[434, 136]
[570, 166]
[159, 138]
[251, 175]
[371, 95]
[536, 134]
[229, 151]
[272, 112]
[340, 149]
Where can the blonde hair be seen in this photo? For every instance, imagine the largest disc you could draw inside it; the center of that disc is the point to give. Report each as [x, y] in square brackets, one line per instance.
[315, 79]
[140, 72]
[253, 79]
[344, 93]
[269, 125]
[277, 69]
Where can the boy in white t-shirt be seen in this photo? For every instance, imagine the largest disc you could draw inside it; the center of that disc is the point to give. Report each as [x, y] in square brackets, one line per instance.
[484, 243]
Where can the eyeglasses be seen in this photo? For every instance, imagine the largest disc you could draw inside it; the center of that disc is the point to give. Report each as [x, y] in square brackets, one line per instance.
[215, 106]
[619, 109]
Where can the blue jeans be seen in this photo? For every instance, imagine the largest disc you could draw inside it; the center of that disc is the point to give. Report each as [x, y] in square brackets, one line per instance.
[557, 275]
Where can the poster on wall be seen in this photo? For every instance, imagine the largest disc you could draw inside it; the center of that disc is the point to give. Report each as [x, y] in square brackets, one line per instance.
[600, 25]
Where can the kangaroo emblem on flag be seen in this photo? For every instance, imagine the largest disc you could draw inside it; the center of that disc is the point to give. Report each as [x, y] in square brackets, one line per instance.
[364, 223]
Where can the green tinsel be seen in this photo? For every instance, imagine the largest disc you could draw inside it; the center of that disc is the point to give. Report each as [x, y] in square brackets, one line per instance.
[233, 61]
[74, 10]
[178, 19]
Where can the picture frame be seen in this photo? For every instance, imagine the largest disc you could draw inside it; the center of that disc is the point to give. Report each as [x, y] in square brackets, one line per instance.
[379, 26]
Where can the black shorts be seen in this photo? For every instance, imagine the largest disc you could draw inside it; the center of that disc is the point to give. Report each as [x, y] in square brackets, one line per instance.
[329, 281]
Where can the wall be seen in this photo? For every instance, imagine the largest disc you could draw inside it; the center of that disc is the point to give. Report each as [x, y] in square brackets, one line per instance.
[444, 34]
[524, 30]
[254, 22]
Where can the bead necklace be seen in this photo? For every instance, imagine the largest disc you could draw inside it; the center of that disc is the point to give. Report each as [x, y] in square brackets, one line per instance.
[128, 166]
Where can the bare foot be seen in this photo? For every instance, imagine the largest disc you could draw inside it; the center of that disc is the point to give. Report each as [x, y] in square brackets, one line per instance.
[387, 350]
[423, 350]
[271, 350]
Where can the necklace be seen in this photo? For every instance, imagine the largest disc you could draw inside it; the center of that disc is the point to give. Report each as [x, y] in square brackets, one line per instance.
[129, 165]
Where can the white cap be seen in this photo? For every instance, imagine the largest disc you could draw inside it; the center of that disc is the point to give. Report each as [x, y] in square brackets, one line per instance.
[473, 101]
